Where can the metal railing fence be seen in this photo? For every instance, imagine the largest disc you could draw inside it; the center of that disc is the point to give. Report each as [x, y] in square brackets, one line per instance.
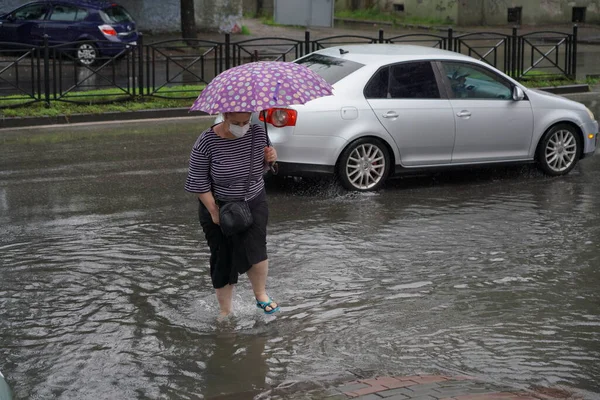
[178, 68]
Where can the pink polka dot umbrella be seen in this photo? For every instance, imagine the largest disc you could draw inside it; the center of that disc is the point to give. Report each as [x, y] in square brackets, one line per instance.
[259, 86]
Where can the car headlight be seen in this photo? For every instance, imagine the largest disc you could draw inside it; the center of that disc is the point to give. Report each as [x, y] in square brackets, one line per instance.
[590, 113]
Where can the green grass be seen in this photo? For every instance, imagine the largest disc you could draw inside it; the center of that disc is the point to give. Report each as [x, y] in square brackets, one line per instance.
[270, 21]
[375, 14]
[545, 82]
[170, 97]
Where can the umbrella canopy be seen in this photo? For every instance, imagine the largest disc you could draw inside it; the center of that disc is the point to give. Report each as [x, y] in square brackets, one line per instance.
[259, 86]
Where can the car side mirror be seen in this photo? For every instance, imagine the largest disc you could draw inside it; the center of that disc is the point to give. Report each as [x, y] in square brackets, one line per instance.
[518, 94]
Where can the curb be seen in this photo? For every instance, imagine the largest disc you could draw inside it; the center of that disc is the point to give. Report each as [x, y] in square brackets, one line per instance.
[567, 89]
[104, 117]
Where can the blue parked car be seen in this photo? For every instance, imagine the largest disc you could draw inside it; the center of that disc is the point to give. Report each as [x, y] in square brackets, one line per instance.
[96, 28]
[5, 393]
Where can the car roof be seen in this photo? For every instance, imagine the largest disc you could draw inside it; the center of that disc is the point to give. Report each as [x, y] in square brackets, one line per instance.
[98, 4]
[386, 53]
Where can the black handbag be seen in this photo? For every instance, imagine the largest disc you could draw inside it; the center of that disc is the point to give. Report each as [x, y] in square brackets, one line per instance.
[235, 216]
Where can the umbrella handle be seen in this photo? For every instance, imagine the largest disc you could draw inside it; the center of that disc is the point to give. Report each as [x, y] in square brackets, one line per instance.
[272, 165]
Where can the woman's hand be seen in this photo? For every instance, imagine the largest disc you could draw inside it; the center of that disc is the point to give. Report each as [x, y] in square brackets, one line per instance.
[211, 206]
[270, 154]
[215, 216]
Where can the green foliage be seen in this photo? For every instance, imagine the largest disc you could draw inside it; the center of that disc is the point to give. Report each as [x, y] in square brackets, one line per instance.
[245, 30]
[375, 14]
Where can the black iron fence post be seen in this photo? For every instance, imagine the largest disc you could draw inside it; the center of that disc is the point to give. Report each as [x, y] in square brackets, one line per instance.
[306, 42]
[46, 71]
[513, 52]
[381, 36]
[140, 49]
[227, 51]
[450, 39]
[574, 55]
[131, 87]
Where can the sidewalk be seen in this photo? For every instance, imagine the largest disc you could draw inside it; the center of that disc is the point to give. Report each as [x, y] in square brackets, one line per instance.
[587, 33]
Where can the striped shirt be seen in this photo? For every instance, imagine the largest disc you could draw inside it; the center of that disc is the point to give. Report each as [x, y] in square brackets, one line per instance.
[222, 165]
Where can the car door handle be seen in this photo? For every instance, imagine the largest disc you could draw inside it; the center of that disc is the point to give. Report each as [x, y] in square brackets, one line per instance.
[463, 113]
[390, 114]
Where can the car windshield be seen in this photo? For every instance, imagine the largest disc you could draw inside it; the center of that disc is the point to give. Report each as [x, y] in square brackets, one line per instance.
[116, 15]
[329, 68]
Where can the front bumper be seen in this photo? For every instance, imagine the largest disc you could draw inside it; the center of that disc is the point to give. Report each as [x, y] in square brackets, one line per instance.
[590, 145]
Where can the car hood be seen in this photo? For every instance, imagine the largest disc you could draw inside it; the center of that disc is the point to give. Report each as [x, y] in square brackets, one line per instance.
[551, 100]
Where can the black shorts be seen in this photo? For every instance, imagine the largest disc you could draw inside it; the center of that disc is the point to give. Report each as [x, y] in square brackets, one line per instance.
[234, 255]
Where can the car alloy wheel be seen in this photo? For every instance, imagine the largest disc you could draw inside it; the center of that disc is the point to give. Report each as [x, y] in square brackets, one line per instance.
[364, 165]
[87, 54]
[560, 150]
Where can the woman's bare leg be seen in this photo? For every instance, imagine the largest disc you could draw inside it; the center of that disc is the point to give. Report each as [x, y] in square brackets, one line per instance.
[225, 298]
[258, 278]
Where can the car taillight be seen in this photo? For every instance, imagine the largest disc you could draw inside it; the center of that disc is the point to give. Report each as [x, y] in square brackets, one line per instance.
[108, 30]
[280, 117]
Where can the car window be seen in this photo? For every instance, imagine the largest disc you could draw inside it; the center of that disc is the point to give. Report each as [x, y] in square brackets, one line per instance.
[331, 69]
[412, 80]
[31, 13]
[81, 14]
[63, 13]
[116, 15]
[377, 88]
[469, 81]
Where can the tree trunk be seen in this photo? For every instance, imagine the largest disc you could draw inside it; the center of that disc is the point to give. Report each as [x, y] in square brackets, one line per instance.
[259, 8]
[355, 5]
[188, 19]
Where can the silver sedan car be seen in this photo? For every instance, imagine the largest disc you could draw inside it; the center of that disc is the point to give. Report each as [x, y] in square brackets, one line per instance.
[399, 109]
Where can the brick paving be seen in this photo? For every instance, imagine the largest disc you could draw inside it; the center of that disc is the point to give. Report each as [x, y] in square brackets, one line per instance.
[437, 387]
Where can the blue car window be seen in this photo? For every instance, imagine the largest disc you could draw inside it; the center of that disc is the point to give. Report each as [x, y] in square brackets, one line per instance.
[81, 14]
[63, 13]
[34, 12]
[116, 15]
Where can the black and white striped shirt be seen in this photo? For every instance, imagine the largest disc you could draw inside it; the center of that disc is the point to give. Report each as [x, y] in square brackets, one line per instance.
[222, 165]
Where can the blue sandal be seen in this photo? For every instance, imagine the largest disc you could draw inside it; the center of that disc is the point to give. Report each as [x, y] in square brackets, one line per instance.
[264, 304]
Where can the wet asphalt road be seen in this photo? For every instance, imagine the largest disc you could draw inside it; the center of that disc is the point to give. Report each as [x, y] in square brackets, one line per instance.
[105, 293]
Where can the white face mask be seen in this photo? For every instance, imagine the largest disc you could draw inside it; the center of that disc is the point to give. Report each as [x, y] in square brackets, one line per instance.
[239, 131]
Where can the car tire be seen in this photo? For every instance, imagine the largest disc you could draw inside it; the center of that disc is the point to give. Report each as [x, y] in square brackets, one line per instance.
[86, 54]
[364, 165]
[560, 150]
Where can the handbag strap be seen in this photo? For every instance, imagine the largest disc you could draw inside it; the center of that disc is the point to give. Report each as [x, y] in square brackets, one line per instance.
[251, 162]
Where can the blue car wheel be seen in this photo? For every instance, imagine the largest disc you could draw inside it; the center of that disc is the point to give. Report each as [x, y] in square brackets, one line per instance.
[86, 53]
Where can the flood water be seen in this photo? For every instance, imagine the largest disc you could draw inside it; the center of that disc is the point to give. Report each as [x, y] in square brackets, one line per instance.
[105, 292]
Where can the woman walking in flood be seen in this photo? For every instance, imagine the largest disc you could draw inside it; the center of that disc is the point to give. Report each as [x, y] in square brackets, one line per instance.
[227, 164]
